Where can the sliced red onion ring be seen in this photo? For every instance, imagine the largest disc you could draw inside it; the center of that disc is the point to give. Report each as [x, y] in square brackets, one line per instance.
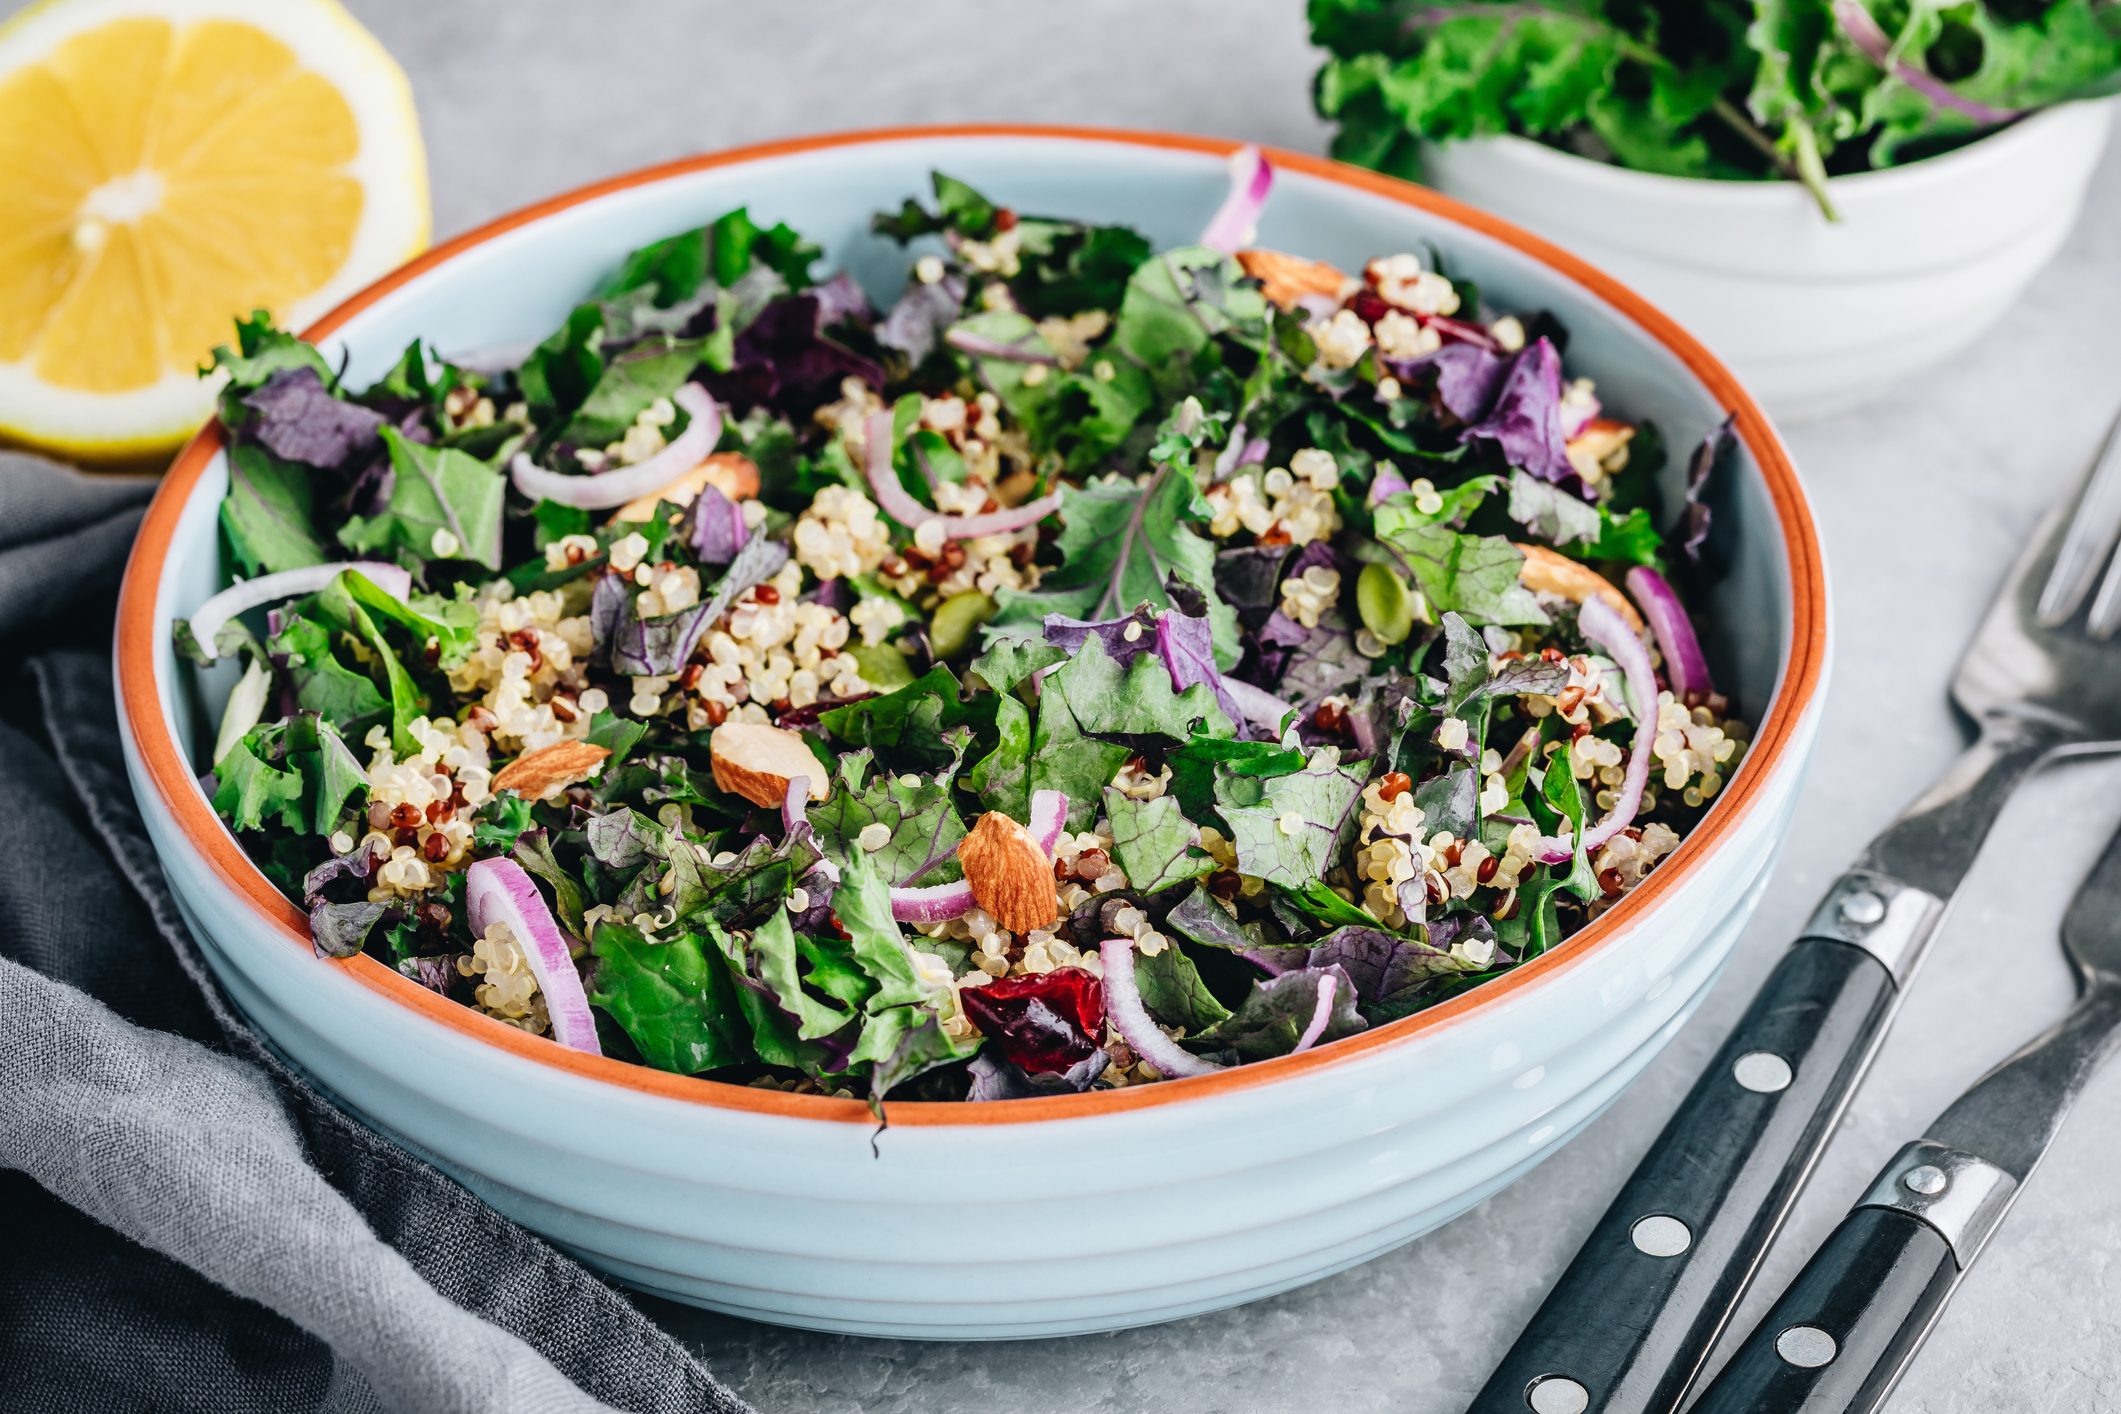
[1864, 32]
[241, 598]
[1601, 624]
[939, 903]
[1049, 812]
[1323, 1014]
[497, 890]
[1259, 706]
[615, 488]
[1131, 1019]
[792, 804]
[894, 500]
[1317, 308]
[1577, 415]
[1460, 330]
[1386, 484]
[1684, 665]
[1241, 451]
[1235, 221]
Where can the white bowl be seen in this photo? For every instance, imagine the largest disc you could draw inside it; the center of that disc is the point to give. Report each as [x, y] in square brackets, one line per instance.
[1031, 1217]
[1815, 316]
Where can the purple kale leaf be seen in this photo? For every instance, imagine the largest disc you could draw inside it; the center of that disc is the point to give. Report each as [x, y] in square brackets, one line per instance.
[1249, 578]
[1693, 526]
[436, 974]
[341, 918]
[715, 527]
[1524, 421]
[1467, 378]
[1307, 664]
[1389, 971]
[1184, 642]
[658, 647]
[1280, 1009]
[295, 417]
[916, 323]
[994, 1078]
[842, 300]
[784, 360]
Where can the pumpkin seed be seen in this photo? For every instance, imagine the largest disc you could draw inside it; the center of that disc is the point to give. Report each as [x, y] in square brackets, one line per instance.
[957, 622]
[1385, 604]
[883, 666]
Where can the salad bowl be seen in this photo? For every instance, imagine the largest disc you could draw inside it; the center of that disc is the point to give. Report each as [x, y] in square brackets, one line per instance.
[1088, 1211]
[1818, 317]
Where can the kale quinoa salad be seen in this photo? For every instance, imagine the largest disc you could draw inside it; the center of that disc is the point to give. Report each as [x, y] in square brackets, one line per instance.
[1093, 665]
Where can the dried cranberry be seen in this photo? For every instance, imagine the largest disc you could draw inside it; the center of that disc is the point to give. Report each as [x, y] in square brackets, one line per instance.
[1369, 305]
[1045, 1022]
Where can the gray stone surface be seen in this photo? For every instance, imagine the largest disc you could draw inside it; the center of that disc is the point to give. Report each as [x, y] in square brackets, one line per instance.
[1922, 500]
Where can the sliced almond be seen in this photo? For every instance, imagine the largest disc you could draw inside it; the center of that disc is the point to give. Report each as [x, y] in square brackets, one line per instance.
[1550, 572]
[537, 774]
[1010, 876]
[1288, 278]
[757, 762]
[731, 473]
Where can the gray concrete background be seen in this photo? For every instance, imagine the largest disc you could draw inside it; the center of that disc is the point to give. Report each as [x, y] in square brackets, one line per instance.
[1922, 501]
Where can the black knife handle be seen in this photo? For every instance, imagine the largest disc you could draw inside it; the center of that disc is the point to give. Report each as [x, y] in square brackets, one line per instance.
[1629, 1327]
[1840, 1336]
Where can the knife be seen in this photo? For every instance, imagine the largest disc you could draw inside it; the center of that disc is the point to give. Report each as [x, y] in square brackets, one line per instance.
[1844, 1332]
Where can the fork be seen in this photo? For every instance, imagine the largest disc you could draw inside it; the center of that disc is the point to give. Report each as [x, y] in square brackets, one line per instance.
[1626, 1328]
[1845, 1331]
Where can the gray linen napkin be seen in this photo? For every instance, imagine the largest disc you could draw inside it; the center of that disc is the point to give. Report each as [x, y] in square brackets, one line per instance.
[184, 1223]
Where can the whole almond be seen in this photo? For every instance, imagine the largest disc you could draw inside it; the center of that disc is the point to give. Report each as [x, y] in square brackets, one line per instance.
[757, 761]
[1550, 572]
[731, 473]
[1288, 278]
[537, 774]
[1010, 876]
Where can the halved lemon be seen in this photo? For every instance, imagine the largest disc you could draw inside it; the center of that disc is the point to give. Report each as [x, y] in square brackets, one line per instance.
[169, 165]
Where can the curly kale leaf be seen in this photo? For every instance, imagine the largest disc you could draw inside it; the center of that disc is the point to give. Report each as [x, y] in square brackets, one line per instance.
[1301, 823]
[918, 811]
[1153, 841]
[444, 504]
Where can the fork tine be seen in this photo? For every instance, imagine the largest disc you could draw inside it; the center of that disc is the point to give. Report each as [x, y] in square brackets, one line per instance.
[2106, 608]
[2093, 528]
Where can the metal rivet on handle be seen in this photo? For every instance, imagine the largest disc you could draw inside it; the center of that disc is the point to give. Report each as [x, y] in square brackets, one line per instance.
[1763, 1072]
[1557, 1394]
[1661, 1236]
[1863, 908]
[1806, 1347]
[1926, 1179]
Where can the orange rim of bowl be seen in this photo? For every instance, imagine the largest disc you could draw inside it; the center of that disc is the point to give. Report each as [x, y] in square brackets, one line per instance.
[174, 782]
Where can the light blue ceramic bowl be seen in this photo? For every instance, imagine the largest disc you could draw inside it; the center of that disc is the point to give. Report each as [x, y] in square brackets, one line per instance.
[1121, 1208]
